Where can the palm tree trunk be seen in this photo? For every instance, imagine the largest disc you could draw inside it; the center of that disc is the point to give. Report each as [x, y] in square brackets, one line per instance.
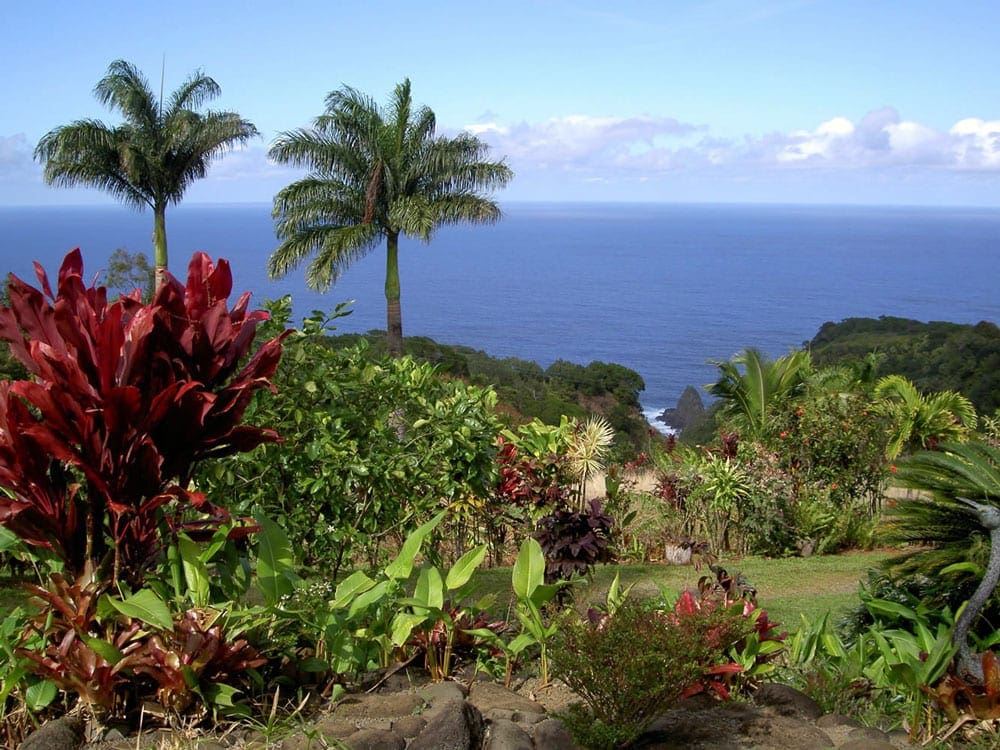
[159, 245]
[394, 315]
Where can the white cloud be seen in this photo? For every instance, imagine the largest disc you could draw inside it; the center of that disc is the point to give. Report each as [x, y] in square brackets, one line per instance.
[582, 142]
[16, 157]
[976, 143]
[630, 148]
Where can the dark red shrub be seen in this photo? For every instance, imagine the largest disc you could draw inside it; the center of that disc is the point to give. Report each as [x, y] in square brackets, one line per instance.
[98, 449]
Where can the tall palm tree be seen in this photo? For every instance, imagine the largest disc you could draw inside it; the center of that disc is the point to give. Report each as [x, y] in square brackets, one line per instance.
[152, 157]
[375, 174]
[750, 396]
[921, 421]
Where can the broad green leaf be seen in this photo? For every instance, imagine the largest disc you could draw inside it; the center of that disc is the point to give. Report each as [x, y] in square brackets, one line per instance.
[105, 650]
[275, 562]
[770, 647]
[529, 569]
[146, 606]
[483, 633]
[543, 594]
[429, 590]
[464, 567]
[218, 694]
[520, 643]
[8, 539]
[366, 599]
[402, 566]
[833, 646]
[885, 607]
[195, 571]
[962, 567]
[613, 588]
[352, 586]
[40, 694]
[402, 626]
[313, 664]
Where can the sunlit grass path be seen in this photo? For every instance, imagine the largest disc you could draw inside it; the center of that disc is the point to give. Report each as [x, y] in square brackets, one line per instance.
[786, 587]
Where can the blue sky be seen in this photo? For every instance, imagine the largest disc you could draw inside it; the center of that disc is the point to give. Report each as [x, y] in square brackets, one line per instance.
[831, 101]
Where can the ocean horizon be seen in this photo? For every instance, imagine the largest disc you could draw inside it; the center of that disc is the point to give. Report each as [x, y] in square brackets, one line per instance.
[661, 288]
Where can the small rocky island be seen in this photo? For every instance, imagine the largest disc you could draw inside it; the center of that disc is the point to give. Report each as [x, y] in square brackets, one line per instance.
[689, 408]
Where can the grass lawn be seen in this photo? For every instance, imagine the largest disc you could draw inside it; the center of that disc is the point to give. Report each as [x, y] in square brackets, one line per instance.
[786, 587]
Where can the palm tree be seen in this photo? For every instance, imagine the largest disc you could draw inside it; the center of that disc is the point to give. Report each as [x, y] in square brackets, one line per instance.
[152, 157]
[750, 396]
[923, 421]
[375, 174]
[957, 501]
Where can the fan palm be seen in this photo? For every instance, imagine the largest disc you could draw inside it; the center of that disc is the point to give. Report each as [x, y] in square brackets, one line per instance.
[949, 519]
[923, 421]
[751, 395]
[152, 157]
[375, 173]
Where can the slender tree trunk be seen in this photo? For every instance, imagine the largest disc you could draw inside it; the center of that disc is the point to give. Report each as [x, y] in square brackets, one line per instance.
[159, 245]
[394, 315]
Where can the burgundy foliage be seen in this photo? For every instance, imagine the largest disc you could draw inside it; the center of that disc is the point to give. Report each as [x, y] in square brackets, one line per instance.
[100, 659]
[525, 481]
[97, 449]
[574, 542]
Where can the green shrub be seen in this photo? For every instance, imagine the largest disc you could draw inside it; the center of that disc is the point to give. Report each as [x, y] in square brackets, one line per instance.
[370, 449]
[631, 665]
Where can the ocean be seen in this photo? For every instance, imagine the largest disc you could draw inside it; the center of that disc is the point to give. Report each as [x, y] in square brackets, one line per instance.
[661, 288]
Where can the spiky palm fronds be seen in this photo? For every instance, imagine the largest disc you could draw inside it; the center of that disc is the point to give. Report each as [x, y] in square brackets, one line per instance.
[588, 448]
[944, 530]
[154, 155]
[921, 421]
[375, 173]
[752, 393]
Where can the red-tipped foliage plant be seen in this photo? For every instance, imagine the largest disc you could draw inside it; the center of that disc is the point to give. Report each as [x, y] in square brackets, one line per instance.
[98, 448]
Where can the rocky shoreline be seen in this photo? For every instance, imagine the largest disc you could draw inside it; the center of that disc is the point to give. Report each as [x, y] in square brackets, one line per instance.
[689, 408]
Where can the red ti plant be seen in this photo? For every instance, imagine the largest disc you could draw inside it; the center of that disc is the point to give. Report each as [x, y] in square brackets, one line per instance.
[98, 448]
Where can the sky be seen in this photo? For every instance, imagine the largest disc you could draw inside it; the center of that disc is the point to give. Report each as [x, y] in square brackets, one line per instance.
[770, 101]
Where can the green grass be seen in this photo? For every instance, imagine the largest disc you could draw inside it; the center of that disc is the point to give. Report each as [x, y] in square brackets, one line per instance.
[786, 587]
[11, 593]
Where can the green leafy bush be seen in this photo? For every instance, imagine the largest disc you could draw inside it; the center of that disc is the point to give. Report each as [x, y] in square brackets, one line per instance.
[630, 665]
[373, 447]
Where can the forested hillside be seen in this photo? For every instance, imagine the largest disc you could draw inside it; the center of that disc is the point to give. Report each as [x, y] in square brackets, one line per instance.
[936, 356]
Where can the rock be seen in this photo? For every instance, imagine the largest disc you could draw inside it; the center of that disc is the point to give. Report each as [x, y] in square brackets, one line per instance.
[376, 739]
[834, 720]
[334, 728]
[787, 701]
[689, 408]
[503, 734]
[867, 745]
[303, 742]
[442, 691]
[377, 710]
[489, 695]
[409, 726]
[718, 726]
[552, 734]
[455, 725]
[787, 733]
[64, 733]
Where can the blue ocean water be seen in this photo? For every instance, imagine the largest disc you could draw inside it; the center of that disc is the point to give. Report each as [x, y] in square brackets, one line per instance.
[662, 289]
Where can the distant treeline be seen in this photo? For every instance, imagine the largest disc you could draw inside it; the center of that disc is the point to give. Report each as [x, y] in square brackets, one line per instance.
[936, 356]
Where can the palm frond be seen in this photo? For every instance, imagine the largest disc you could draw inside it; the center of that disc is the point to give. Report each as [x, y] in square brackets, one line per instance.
[194, 92]
[374, 172]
